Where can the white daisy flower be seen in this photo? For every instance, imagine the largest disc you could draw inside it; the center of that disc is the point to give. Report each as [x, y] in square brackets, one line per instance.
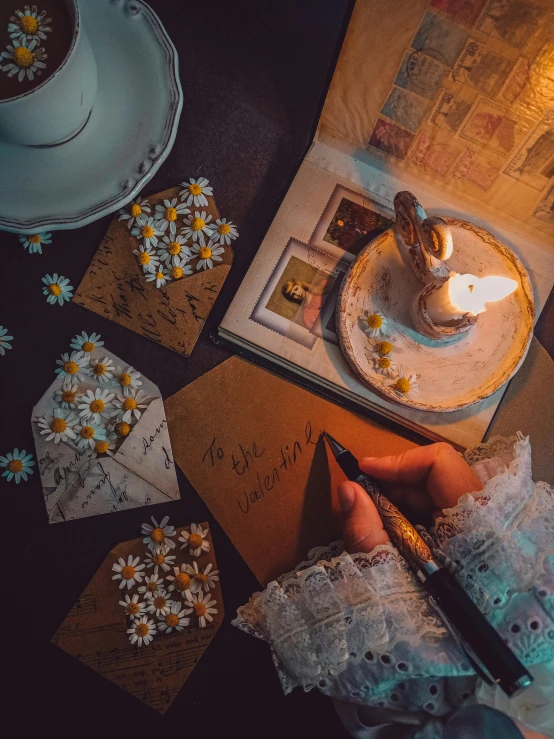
[202, 607]
[33, 242]
[406, 384]
[195, 192]
[72, 367]
[104, 446]
[59, 425]
[17, 464]
[25, 59]
[159, 603]
[89, 433]
[382, 346]
[126, 379]
[67, 397]
[181, 580]
[196, 226]
[161, 277]
[180, 268]
[175, 619]
[147, 259]
[374, 323]
[142, 631]
[224, 231]
[95, 405]
[206, 579]
[29, 24]
[120, 429]
[159, 558]
[135, 211]
[383, 365]
[86, 343]
[132, 405]
[57, 289]
[133, 606]
[158, 535]
[168, 213]
[130, 572]
[152, 584]
[148, 230]
[101, 369]
[195, 540]
[4, 340]
[173, 250]
[207, 255]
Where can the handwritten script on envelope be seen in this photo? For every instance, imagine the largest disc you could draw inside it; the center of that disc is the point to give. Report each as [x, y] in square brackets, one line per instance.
[115, 287]
[95, 633]
[141, 471]
[249, 442]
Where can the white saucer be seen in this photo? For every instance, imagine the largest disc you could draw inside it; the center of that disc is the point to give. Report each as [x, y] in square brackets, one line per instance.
[129, 134]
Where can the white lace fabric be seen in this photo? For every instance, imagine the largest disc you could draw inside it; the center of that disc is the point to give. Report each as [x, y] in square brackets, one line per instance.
[360, 627]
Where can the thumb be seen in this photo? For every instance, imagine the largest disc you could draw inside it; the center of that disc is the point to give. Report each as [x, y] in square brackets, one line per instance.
[361, 524]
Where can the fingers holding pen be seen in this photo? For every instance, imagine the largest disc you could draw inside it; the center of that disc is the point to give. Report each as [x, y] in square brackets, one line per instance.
[362, 526]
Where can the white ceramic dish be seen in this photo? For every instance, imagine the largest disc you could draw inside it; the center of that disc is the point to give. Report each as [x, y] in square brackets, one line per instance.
[130, 132]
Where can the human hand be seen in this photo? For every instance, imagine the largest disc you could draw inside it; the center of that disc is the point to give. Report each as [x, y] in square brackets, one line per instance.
[420, 482]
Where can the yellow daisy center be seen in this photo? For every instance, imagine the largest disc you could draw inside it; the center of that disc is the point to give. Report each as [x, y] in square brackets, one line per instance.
[160, 602]
[195, 541]
[205, 252]
[195, 189]
[129, 404]
[200, 609]
[152, 586]
[201, 577]
[170, 214]
[68, 396]
[136, 210]
[16, 465]
[23, 57]
[87, 432]
[71, 368]
[160, 275]
[147, 232]
[101, 447]
[174, 248]
[128, 572]
[384, 347]
[142, 630]
[97, 406]
[122, 429]
[158, 559]
[124, 379]
[144, 258]
[374, 321]
[88, 347]
[402, 385]
[28, 24]
[182, 581]
[172, 619]
[58, 425]
[198, 224]
[55, 289]
[157, 535]
[132, 609]
[384, 362]
[176, 273]
[34, 239]
[99, 369]
[223, 229]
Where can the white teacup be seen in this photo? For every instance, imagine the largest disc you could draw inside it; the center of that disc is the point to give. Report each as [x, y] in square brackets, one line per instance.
[57, 109]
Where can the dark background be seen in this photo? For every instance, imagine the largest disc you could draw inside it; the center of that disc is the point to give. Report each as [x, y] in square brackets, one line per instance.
[254, 75]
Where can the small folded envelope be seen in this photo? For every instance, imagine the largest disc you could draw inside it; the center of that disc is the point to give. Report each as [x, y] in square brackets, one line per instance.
[141, 472]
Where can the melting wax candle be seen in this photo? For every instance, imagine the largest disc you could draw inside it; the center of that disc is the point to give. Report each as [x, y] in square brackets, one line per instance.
[466, 295]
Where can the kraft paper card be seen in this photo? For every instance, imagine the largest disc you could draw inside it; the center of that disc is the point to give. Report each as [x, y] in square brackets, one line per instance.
[115, 285]
[95, 632]
[137, 469]
[249, 442]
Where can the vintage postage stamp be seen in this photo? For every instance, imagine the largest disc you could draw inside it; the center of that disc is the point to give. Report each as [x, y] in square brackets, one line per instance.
[512, 21]
[534, 162]
[440, 38]
[391, 139]
[484, 69]
[450, 111]
[517, 81]
[421, 73]
[492, 127]
[406, 109]
[432, 155]
[476, 169]
[545, 209]
[465, 12]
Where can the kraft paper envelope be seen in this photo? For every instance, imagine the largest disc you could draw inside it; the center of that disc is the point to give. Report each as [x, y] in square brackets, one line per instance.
[95, 632]
[115, 287]
[141, 471]
[249, 442]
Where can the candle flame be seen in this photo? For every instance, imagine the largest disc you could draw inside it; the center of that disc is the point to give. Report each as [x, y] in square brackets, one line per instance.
[469, 293]
[496, 288]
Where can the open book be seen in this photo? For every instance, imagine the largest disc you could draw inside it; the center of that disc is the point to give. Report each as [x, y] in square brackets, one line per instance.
[451, 100]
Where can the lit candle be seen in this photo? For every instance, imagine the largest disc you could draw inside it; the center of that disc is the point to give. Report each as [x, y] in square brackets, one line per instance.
[466, 295]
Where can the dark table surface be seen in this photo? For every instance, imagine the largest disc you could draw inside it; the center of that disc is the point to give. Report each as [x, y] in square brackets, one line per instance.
[254, 75]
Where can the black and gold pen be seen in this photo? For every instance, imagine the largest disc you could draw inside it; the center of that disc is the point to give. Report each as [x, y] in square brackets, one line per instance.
[489, 654]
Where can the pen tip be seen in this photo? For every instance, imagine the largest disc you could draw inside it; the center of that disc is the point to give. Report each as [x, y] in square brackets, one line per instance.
[336, 448]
